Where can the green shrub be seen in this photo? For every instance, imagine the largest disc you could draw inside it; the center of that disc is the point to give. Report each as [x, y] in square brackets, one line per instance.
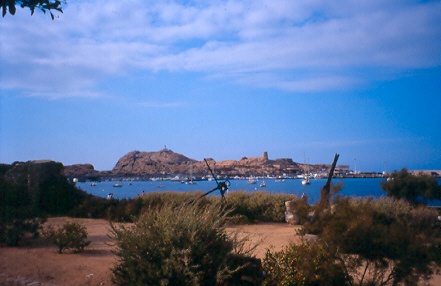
[30, 191]
[177, 246]
[176, 199]
[238, 219]
[14, 231]
[95, 207]
[245, 207]
[18, 218]
[70, 235]
[414, 188]
[304, 264]
[56, 196]
[383, 241]
[258, 206]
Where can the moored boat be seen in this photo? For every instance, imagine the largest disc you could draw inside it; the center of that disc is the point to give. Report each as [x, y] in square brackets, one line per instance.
[306, 180]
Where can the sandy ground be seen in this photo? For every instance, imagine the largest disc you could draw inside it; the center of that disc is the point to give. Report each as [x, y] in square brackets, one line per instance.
[39, 263]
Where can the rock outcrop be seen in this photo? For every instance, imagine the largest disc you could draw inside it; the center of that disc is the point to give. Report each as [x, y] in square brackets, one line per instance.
[32, 173]
[167, 162]
[80, 171]
[152, 163]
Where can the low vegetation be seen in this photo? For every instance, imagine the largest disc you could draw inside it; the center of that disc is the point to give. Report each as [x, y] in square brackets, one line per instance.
[414, 188]
[69, 236]
[244, 207]
[380, 242]
[304, 264]
[181, 246]
[388, 241]
[257, 206]
[27, 198]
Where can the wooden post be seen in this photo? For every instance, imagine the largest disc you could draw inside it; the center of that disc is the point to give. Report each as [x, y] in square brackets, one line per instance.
[326, 190]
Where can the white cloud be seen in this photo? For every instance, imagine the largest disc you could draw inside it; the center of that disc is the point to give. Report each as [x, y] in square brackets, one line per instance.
[290, 45]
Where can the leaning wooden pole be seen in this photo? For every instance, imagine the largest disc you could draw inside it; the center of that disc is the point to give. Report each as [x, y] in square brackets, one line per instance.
[326, 190]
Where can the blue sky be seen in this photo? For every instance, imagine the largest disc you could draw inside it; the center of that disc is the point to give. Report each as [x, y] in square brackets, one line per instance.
[224, 79]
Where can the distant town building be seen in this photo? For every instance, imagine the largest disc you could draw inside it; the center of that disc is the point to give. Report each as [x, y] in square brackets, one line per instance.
[342, 170]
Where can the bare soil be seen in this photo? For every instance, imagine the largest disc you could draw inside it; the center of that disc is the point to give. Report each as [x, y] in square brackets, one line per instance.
[38, 263]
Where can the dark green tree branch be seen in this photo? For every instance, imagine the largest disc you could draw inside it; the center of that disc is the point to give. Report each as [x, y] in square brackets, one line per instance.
[414, 188]
[43, 5]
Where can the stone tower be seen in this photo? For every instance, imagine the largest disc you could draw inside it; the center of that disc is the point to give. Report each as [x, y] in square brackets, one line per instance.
[265, 156]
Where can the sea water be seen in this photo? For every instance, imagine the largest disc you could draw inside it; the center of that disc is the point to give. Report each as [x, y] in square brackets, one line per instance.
[354, 187]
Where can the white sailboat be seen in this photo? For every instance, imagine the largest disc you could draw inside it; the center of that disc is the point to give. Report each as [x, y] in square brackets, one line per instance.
[263, 184]
[191, 182]
[251, 180]
[305, 180]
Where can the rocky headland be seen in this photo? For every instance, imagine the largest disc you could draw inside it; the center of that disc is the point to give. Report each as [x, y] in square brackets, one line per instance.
[166, 163]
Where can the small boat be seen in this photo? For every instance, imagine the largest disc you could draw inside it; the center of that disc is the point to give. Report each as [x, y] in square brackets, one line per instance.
[279, 180]
[263, 184]
[175, 179]
[191, 182]
[117, 184]
[306, 181]
[252, 181]
[93, 184]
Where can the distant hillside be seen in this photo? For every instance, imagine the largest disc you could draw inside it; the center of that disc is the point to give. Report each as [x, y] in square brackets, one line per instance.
[152, 163]
[80, 170]
[168, 163]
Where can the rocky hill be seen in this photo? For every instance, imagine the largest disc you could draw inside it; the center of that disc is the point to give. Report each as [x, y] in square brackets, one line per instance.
[152, 163]
[168, 163]
[30, 173]
[80, 170]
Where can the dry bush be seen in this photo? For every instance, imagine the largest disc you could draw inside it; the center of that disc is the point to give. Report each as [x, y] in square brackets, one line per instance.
[187, 245]
[70, 235]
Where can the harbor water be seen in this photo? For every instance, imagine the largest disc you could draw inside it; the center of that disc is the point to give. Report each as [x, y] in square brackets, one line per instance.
[354, 187]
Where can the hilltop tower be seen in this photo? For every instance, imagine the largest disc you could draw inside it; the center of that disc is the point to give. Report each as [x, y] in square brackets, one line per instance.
[265, 156]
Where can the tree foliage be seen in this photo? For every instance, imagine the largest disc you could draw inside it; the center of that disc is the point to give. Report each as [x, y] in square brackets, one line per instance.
[43, 5]
[414, 188]
[382, 242]
[304, 264]
[18, 215]
[28, 193]
[70, 235]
